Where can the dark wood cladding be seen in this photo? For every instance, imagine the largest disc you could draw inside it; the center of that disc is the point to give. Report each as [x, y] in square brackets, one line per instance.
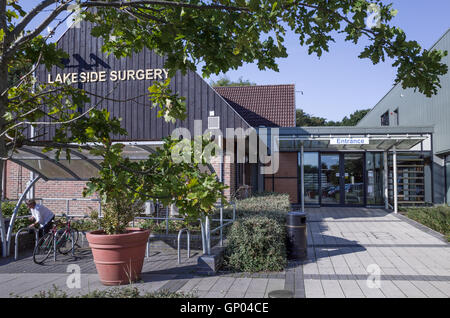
[138, 118]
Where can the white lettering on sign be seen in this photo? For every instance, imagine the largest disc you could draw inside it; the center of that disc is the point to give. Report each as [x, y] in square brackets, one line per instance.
[349, 141]
[113, 76]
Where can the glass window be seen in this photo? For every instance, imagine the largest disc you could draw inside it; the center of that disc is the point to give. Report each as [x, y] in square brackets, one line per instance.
[396, 118]
[385, 119]
[311, 177]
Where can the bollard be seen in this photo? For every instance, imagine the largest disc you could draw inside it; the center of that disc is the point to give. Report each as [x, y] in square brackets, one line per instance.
[296, 242]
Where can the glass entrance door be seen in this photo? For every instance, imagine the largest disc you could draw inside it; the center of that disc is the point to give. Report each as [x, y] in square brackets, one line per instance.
[354, 178]
[342, 179]
[330, 179]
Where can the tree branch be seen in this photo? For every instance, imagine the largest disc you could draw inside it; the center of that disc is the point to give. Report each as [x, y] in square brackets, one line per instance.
[121, 4]
[29, 17]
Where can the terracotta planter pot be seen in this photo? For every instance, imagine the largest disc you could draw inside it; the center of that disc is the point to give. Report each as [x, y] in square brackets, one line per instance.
[119, 257]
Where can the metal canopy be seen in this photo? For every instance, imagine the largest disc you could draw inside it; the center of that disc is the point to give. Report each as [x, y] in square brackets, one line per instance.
[82, 164]
[375, 142]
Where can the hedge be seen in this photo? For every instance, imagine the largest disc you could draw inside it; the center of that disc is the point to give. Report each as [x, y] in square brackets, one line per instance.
[256, 244]
[436, 218]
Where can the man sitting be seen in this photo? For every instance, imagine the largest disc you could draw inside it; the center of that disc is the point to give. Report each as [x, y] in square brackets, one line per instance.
[41, 216]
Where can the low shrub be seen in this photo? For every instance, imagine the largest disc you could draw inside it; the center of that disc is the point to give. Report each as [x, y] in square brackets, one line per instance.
[264, 202]
[85, 225]
[8, 209]
[271, 205]
[174, 226]
[117, 292]
[256, 244]
[436, 218]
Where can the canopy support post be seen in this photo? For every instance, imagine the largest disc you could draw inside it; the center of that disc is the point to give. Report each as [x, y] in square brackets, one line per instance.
[302, 176]
[394, 160]
[386, 180]
[6, 251]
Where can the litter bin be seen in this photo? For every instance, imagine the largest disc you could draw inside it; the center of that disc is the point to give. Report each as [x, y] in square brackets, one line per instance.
[296, 242]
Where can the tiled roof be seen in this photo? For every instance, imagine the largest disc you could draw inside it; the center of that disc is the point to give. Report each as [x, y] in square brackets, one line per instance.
[262, 105]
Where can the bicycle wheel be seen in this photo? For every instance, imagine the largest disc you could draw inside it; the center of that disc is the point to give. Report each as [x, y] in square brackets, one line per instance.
[43, 248]
[64, 241]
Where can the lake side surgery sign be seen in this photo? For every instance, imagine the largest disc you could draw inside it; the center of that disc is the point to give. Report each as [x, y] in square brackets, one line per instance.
[349, 141]
[113, 76]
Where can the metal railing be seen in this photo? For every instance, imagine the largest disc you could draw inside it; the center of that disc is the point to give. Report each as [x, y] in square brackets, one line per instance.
[16, 240]
[206, 230]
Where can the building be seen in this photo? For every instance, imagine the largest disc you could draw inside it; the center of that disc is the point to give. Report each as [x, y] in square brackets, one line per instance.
[121, 80]
[368, 165]
[406, 108]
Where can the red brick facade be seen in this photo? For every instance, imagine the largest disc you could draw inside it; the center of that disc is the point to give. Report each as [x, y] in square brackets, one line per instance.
[17, 178]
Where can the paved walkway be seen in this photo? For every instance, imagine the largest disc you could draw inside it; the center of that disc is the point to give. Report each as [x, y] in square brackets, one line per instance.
[343, 243]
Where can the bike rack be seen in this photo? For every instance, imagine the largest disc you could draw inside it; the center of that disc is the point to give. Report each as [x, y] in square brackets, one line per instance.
[188, 244]
[16, 240]
[147, 249]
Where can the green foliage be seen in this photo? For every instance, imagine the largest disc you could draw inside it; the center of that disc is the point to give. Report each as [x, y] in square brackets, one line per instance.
[256, 241]
[306, 120]
[172, 107]
[7, 211]
[116, 292]
[122, 182]
[117, 214]
[221, 35]
[174, 226]
[9, 206]
[256, 244]
[85, 225]
[254, 31]
[264, 202]
[436, 218]
[352, 120]
[225, 81]
[303, 119]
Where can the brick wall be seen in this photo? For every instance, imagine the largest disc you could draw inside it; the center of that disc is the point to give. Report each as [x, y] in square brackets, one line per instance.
[16, 182]
[17, 178]
[228, 173]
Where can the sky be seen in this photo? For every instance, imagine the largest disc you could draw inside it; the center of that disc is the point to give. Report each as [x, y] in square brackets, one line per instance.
[339, 82]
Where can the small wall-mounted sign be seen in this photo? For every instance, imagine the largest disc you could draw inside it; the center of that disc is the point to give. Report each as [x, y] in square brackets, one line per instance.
[349, 141]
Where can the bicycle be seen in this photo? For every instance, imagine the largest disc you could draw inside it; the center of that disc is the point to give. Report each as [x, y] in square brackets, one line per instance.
[63, 238]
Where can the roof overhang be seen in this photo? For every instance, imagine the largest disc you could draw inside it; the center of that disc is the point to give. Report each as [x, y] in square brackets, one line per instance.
[81, 166]
[369, 143]
[354, 138]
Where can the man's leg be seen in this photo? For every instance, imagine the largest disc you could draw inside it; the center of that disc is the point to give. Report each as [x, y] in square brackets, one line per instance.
[47, 227]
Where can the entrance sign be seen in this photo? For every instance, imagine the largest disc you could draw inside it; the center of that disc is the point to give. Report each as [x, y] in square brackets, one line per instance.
[349, 141]
[113, 76]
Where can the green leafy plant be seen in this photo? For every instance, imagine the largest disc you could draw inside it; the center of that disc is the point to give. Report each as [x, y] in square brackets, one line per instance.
[256, 244]
[436, 218]
[174, 226]
[85, 225]
[272, 205]
[124, 185]
[8, 209]
[124, 292]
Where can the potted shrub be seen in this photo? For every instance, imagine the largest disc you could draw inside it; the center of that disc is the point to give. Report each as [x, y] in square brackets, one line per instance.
[124, 186]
